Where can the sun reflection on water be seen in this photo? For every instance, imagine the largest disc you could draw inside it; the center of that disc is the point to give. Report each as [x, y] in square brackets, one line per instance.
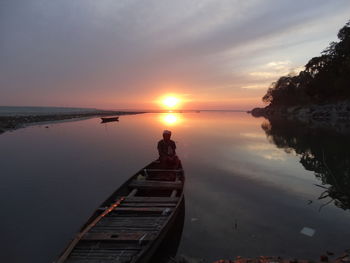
[170, 118]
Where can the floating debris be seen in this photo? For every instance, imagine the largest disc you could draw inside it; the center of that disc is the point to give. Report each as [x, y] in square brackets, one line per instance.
[308, 231]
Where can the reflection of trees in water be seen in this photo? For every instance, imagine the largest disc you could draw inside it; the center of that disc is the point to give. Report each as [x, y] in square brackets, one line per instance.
[322, 151]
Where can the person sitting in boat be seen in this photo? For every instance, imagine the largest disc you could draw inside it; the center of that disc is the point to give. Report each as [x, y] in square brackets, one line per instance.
[166, 149]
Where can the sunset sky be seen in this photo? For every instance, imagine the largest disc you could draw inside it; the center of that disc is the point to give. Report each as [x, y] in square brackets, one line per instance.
[128, 54]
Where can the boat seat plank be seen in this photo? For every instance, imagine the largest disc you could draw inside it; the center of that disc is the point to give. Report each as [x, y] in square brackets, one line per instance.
[148, 205]
[88, 259]
[103, 253]
[138, 219]
[128, 224]
[92, 260]
[148, 184]
[130, 229]
[141, 209]
[107, 246]
[139, 204]
[121, 236]
[142, 199]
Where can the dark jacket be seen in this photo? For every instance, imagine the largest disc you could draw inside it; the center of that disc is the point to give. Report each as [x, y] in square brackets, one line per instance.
[166, 148]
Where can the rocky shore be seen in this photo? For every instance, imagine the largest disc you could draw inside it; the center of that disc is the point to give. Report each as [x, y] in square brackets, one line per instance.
[330, 113]
[335, 117]
[327, 257]
[18, 121]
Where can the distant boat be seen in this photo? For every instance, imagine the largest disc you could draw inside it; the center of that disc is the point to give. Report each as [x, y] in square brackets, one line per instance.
[130, 225]
[109, 119]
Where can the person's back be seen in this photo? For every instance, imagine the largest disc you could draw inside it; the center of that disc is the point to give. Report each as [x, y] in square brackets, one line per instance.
[166, 150]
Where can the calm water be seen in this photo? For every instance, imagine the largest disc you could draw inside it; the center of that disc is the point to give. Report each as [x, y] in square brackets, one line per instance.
[247, 193]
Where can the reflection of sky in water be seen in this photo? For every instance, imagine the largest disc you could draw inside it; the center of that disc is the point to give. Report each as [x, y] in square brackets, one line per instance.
[52, 179]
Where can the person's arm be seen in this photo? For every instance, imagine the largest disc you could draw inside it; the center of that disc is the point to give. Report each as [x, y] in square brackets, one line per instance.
[174, 147]
[161, 149]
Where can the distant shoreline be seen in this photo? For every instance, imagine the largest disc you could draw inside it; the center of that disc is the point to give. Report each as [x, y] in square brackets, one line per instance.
[8, 122]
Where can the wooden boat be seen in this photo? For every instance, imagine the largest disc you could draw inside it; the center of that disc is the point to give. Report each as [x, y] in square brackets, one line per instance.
[109, 119]
[133, 221]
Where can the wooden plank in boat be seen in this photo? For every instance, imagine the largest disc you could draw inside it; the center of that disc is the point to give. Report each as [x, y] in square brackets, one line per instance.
[113, 224]
[111, 229]
[116, 228]
[142, 199]
[107, 246]
[140, 219]
[139, 204]
[105, 259]
[120, 236]
[139, 223]
[103, 252]
[148, 205]
[141, 209]
[107, 253]
[147, 184]
[100, 257]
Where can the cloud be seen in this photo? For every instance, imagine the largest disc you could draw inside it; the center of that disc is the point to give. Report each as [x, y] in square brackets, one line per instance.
[257, 86]
[62, 52]
[273, 70]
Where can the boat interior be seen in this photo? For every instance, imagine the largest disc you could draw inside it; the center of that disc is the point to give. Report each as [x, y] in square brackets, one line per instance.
[131, 223]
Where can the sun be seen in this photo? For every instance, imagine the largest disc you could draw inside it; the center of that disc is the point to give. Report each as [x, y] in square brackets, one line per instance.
[170, 101]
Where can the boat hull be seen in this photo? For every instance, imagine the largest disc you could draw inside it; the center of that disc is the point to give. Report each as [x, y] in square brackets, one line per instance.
[109, 119]
[131, 224]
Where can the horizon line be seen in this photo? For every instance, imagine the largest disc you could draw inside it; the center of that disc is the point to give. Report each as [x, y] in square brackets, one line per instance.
[125, 109]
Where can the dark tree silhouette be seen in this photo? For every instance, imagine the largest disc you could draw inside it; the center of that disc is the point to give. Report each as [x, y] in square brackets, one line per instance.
[325, 79]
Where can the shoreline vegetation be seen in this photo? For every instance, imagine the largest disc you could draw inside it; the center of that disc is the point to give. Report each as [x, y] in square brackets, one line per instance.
[13, 121]
[318, 94]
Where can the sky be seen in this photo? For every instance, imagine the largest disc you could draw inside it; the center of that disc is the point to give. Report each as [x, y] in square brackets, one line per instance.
[128, 54]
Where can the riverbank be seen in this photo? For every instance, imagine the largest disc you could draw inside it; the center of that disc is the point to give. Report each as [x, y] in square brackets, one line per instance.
[326, 113]
[16, 120]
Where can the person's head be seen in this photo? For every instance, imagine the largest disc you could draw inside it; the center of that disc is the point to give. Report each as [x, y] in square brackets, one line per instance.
[166, 135]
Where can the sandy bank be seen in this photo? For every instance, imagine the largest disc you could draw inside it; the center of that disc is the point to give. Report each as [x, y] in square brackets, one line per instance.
[19, 121]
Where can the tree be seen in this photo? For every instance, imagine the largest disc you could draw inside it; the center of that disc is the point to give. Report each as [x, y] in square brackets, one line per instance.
[325, 79]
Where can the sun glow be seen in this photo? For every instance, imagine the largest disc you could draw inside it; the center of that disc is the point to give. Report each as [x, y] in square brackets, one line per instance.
[170, 101]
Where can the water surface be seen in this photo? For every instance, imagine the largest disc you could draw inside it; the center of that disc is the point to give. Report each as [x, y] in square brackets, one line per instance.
[247, 193]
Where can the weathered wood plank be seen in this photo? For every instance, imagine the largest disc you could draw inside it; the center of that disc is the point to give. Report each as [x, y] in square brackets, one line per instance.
[103, 253]
[148, 184]
[128, 223]
[133, 192]
[142, 199]
[139, 204]
[87, 259]
[173, 193]
[107, 246]
[126, 229]
[144, 218]
[141, 209]
[120, 236]
[148, 205]
[155, 215]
